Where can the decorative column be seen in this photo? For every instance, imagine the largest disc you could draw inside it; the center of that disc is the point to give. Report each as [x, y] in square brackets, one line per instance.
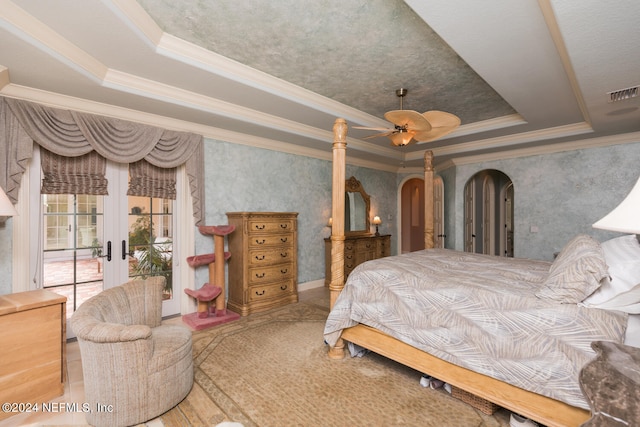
[428, 200]
[337, 229]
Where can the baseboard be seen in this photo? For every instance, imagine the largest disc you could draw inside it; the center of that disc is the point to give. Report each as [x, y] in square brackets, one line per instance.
[310, 285]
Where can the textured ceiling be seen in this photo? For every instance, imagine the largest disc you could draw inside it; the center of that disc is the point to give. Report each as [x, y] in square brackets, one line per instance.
[525, 77]
[357, 52]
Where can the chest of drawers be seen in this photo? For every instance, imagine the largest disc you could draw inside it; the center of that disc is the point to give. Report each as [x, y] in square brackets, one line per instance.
[263, 268]
[357, 249]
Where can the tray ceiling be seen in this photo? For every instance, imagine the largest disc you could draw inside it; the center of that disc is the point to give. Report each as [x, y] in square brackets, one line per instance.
[528, 76]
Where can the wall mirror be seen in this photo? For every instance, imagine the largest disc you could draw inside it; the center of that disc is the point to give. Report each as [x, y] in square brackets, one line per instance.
[356, 209]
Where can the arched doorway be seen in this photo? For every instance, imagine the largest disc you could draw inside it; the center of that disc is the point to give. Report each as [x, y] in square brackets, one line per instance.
[488, 213]
[412, 214]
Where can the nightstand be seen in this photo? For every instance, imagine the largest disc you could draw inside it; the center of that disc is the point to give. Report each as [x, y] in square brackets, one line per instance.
[611, 385]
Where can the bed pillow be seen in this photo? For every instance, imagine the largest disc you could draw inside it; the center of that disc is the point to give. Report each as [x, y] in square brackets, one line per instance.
[622, 255]
[576, 273]
[627, 301]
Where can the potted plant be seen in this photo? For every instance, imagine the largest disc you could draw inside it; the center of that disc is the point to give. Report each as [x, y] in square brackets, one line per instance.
[96, 252]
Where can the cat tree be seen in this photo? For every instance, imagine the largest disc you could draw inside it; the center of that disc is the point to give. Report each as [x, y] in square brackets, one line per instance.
[211, 297]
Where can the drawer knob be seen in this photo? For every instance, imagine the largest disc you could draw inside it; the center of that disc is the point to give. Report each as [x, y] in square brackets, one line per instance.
[284, 255]
[260, 276]
[284, 287]
[283, 239]
[284, 270]
[260, 293]
[260, 227]
[260, 258]
[284, 226]
[260, 242]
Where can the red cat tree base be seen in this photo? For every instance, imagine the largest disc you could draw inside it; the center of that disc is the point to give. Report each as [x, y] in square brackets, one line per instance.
[211, 298]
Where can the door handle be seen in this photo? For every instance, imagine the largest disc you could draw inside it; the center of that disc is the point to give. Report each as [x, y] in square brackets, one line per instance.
[124, 250]
[109, 250]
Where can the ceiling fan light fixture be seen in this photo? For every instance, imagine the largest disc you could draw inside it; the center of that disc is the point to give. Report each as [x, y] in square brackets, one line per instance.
[402, 137]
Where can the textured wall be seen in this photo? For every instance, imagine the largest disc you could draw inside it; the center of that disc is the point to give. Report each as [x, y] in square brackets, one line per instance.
[242, 178]
[561, 194]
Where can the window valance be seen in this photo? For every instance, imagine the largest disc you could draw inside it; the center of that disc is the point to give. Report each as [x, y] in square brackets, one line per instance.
[72, 134]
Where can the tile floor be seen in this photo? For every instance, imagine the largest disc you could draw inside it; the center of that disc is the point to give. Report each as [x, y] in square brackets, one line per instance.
[74, 386]
[58, 273]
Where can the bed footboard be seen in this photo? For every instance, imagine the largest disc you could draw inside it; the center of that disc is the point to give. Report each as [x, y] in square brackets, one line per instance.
[545, 410]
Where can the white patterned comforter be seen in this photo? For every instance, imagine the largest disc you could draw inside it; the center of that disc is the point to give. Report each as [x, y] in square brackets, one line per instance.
[479, 312]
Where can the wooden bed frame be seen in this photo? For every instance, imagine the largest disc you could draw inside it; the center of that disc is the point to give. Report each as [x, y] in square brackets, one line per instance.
[545, 410]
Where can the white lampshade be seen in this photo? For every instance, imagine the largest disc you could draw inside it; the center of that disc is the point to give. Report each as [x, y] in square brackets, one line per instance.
[625, 218]
[377, 220]
[6, 207]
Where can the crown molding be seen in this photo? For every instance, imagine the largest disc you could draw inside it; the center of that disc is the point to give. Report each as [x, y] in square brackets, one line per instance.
[191, 54]
[35, 32]
[603, 141]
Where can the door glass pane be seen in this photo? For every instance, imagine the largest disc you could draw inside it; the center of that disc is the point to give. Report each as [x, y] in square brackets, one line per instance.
[72, 246]
[151, 239]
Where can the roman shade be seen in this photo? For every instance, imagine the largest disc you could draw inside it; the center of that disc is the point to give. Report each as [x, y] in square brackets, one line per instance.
[73, 175]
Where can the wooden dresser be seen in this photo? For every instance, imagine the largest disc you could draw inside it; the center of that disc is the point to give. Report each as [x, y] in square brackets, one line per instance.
[263, 268]
[33, 339]
[357, 249]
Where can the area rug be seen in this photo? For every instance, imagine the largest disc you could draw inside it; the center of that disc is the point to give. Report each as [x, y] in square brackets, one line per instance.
[272, 369]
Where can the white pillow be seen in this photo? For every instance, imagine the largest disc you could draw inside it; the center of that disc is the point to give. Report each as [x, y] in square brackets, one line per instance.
[622, 255]
[628, 301]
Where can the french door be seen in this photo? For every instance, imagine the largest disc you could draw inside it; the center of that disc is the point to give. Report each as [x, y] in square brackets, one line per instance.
[90, 243]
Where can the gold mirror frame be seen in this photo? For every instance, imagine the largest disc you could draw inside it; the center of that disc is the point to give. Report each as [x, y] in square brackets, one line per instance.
[352, 185]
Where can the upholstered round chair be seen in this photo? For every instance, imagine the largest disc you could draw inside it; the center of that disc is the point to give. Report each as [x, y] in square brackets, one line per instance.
[134, 368]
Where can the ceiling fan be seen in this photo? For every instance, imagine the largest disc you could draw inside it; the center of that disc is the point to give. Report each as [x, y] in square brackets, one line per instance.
[410, 126]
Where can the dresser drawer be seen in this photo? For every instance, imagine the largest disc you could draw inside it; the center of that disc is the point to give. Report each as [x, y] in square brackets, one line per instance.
[271, 273]
[272, 291]
[282, 240]
[366, 245]
[270, 256]
[271, 225]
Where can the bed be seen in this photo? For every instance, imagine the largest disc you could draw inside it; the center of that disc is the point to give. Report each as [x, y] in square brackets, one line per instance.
[464, 326]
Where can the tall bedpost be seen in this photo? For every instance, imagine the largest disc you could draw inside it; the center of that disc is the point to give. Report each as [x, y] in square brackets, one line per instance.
[337, 228]
[428, 200]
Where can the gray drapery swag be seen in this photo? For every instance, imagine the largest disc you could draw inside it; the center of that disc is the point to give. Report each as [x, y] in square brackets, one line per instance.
[72, 134]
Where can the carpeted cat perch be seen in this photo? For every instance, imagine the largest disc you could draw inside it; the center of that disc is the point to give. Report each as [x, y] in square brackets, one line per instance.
[211, 297]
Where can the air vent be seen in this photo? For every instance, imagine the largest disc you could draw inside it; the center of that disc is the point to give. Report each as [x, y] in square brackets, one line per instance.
[622, 94]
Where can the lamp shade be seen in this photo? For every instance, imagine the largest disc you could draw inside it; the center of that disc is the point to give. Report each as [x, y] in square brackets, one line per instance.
[377, 220]
[625, 218]
[6, 207]
[403, 137]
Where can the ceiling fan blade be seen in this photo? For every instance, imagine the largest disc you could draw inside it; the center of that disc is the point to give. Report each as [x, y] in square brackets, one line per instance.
[366, 128]
[441, 119]
[443, 124]
[390, 132]
[408, 119]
